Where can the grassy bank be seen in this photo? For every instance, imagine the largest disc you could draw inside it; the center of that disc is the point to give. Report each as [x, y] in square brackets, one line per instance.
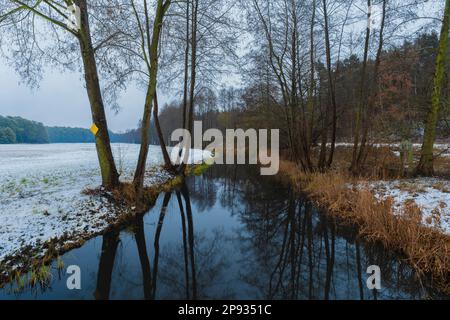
[402, 230]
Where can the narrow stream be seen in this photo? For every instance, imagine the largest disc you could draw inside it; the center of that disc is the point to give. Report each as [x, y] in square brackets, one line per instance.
[229, 234]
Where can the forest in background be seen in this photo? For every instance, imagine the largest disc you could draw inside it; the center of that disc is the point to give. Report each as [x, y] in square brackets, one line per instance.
[406, 79]
[19, 130]
[406, 76]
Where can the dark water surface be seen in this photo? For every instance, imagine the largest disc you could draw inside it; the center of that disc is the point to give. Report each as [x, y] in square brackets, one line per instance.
[229, 234]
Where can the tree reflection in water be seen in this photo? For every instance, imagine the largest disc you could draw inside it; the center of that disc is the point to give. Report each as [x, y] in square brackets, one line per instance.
[284, 249]
[109, 250]
[105, 268]
[150, 275]
[234, 234]
[293, 251]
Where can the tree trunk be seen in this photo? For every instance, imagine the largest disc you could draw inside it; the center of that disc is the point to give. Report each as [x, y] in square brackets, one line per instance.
[362, 95]
[332, 94]
[367, 123]
[426, 164]
[162, 143]
[110, 177]
[299, 140]
[143, 152]
[324, 139]
[186, 69]
[311, 100]
[151, 91]
[190, 121]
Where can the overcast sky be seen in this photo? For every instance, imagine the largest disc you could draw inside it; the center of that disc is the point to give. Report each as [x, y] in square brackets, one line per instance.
[61, 100]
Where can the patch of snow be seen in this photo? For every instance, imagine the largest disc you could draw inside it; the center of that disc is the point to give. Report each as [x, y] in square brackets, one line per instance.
[41, 190]
[441, 149]
[431, 195]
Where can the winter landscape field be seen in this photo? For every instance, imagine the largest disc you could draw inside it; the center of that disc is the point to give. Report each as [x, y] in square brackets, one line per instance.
[41, 193]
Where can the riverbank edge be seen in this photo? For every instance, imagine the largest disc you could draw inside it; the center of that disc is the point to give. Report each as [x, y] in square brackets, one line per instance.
[426, 249]
[34, 259]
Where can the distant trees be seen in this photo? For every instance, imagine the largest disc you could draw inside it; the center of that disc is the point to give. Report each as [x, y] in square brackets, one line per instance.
[69, 135]
[7, 136]
[25, 25]
[19, 130]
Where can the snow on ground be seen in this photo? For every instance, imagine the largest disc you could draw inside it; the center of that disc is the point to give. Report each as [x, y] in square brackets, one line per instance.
[432, 195]
[442, 149]
[41, 190]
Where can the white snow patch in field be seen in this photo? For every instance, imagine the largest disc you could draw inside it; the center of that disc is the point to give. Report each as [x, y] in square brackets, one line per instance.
[431, 195]
[41, 185]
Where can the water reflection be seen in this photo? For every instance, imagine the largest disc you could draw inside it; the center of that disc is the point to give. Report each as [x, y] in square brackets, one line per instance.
[105, 268]
[232, 234]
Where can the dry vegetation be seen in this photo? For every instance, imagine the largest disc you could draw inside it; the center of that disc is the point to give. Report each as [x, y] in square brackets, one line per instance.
[427, 249]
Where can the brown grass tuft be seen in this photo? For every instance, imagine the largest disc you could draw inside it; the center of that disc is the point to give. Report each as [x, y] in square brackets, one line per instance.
[427, 249]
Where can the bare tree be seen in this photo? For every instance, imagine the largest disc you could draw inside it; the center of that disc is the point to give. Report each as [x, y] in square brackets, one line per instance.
[150, 39]
[22, 20]
[362, 92]
[199, 46]
[331, 85]
[276, 28]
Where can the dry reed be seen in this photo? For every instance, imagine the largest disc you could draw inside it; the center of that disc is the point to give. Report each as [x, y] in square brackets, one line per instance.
[427, 249]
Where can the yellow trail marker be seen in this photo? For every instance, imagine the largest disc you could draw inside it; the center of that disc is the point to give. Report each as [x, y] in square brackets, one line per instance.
[94, 129]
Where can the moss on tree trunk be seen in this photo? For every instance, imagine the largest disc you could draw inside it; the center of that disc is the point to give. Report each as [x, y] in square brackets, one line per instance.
[426, 164]
[110, 177]
[161, 10]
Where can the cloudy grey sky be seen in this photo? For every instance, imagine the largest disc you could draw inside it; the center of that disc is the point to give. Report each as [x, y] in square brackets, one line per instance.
[61, 100]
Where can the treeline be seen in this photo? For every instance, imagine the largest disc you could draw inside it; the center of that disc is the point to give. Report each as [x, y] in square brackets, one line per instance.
[81, 135]
[19, 130]
[400, 108]
[405, 73]
[69, 135]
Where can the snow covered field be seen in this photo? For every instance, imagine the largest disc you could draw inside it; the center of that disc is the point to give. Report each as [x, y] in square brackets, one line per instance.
[41, 191]
[431, 195]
